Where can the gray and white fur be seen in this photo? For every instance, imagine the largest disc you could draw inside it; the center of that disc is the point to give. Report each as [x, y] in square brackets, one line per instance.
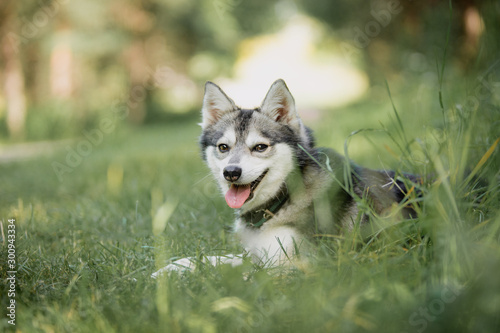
[284, 190]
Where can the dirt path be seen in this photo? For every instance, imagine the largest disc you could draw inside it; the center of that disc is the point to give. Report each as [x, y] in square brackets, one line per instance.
[26, 151]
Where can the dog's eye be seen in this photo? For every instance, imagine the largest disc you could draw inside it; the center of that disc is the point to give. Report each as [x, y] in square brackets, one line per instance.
[260, 148]
[223, 148]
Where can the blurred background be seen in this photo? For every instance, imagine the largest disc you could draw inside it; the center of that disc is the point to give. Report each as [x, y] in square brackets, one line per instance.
[65, 65]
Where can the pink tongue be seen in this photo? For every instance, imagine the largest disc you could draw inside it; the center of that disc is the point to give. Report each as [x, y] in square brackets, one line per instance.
[237, 195]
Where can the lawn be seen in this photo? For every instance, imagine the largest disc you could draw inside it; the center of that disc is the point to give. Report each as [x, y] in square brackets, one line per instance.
[86, 243]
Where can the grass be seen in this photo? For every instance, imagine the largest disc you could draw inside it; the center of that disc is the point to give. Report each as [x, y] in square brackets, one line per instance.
[86, 246]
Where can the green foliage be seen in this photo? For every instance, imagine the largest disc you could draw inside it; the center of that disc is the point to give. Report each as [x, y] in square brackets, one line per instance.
[117, 46]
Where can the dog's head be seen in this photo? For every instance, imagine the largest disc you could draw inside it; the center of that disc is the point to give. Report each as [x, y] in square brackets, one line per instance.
[251, 152]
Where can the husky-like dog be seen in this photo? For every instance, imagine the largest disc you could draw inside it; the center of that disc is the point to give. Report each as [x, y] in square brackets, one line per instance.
[284, 190]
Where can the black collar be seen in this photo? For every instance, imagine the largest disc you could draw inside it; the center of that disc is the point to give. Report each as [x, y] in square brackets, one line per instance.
[261, 215]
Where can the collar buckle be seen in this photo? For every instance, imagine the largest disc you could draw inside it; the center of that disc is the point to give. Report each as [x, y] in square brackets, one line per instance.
[267, 214]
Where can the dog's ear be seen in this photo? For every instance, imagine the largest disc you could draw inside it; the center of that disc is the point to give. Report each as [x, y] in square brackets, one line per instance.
[215, 104]
[279, 105]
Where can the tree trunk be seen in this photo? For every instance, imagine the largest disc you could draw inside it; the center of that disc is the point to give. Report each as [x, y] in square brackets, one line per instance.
[13, 75]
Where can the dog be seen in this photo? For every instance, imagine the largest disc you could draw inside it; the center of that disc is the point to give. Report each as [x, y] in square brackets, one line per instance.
[283, 189]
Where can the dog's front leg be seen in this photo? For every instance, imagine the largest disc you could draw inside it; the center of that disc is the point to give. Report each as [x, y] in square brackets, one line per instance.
[189, 263]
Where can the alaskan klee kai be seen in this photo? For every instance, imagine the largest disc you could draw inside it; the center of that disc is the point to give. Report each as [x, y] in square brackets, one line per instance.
[283, 189]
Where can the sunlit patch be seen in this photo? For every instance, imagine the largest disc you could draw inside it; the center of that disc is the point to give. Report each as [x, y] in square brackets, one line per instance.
[319, 76]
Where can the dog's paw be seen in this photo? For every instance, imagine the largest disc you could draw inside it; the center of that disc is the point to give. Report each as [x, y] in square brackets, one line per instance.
[189, 264]
[181, 265]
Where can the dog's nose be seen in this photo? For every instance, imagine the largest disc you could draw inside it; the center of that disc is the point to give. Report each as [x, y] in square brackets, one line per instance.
[232, 173]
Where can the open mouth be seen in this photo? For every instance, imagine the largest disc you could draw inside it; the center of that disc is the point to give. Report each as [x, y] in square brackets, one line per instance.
[237, 195]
